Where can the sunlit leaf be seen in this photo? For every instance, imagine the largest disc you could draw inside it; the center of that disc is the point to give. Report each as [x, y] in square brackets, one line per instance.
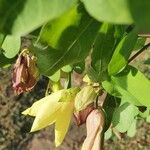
[25, 16]
[116, 11]
[122, 53]
[130, 85]
[67, 40]
[124, 117]
[132, 130]
[103, 50]
[11, 46]
[56, 76]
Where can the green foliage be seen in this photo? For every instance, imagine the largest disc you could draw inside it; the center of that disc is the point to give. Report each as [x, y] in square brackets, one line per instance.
[130, 85]
[140, 12]
[124, 116]
[11, 46]
[132, 130]
[121, 11]
[122, 53]
[115, 11]
[67, 38]
[103, 50]
[25, 16]
[95, 39]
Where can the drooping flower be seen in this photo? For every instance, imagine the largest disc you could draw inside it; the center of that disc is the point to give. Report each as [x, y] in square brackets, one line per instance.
[25, 72]
[94, 125]
[54, 109]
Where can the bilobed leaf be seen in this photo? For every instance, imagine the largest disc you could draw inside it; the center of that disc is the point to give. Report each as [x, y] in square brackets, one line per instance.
[122, 52]
[103, 50]
[11, 46]
[140, 43]
[124, 116]
[116, 11]
[148, 119]
[108, 134]
[4, 61]
[79, 67]
[145, 114]
[1, 39]
[140, 12]
[109, 107]
[67, 38]
[132, 130]
[56, 76]
[23, 17]
[130, 85]
[66, 68]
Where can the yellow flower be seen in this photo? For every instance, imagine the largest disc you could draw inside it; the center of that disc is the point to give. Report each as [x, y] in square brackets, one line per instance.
[51, 109]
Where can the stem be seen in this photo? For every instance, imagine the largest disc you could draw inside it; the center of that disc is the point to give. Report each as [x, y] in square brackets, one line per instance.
[139, 52]
[144, 35]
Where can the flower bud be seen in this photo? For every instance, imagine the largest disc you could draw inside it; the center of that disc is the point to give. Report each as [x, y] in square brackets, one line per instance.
[80, 117]
[85, 97]
[25, 72]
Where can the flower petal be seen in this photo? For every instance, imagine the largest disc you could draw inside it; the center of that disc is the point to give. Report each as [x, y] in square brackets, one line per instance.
[45, 110]
[63, 121]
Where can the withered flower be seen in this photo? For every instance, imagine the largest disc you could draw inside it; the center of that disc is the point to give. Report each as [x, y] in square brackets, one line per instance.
[25, 72]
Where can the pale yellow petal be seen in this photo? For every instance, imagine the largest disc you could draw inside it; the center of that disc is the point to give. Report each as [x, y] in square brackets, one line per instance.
[47, 112]
[32, 111]
[63, 121]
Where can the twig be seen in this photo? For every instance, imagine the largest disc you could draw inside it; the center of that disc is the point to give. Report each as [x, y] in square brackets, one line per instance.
[139, 52]
[144, 35]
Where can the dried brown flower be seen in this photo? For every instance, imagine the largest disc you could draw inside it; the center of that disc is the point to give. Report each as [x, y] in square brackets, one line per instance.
[25, 72]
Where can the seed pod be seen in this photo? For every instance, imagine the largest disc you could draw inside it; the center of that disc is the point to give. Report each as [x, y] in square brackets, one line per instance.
[25, 72]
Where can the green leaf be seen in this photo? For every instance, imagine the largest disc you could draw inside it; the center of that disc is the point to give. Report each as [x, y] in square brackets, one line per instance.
[5, 62]
[122, 53]
[124, 116]
[116, 11]
[145, 114]
[66, 68]
[67, 38]
[132, 130]
[103, 50]
[140, 43]
[11, 46]
[109, 106]
[108, 134]
[56, 76]
[130, 85]
[1, 39]
[25, 16]
[148, 119]
[140, 11]
[79, 67]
